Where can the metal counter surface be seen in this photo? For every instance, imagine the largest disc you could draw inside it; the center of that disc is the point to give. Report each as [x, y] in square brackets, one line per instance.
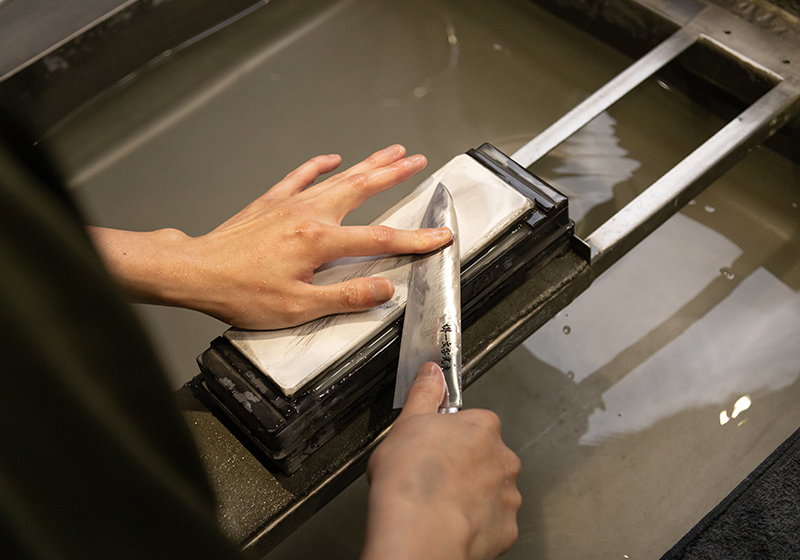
[31, 28]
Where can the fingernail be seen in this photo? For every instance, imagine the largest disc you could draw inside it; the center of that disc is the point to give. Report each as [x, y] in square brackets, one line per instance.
[430, 369]
[417, 159]
[382, 289]
[438, 233]
[333, 156]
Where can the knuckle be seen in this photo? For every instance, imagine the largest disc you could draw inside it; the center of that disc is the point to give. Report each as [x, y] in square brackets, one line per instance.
[309, 230]
[516, 500]
[350, 296]
[383, 235]
[359, 181]
[512, 462]
[490, 420]
[512, 534]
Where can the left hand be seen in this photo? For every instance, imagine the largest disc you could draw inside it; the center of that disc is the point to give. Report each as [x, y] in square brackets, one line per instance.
[255, 270]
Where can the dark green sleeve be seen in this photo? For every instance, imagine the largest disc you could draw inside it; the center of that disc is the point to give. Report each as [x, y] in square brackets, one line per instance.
[95, 462]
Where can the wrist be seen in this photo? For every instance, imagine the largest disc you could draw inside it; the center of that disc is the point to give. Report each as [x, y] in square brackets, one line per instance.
[397, 531]
[158, 267]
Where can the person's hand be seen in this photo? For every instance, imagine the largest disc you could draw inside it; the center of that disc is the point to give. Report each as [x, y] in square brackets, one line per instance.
[441, 485]
[255, 271]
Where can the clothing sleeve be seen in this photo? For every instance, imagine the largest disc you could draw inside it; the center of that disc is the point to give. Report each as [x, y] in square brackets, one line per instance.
[95, 461]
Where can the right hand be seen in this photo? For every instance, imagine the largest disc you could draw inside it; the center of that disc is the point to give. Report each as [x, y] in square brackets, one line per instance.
[441, 485]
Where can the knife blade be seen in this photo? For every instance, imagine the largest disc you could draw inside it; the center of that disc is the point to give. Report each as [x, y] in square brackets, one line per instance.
[432, 324]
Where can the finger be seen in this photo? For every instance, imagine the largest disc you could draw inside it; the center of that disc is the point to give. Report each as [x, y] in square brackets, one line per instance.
[346, 195]
[379, 159]
[299, 179]
[427, 392]
[365, 241]
[359, 294]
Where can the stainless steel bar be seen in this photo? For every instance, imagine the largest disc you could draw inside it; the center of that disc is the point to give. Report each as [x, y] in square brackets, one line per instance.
[684, 181]
[606, 96]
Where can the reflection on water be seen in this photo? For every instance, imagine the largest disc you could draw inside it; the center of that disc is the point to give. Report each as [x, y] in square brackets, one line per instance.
[742, 345]
[745, 345]
[588, 165]
[739, 406]
[647, 287]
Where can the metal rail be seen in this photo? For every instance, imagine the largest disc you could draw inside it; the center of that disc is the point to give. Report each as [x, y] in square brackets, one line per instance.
[606, 96]
[698, 170]
[752, 47]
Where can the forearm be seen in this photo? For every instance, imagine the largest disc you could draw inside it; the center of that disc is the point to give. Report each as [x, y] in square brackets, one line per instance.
[153, 267]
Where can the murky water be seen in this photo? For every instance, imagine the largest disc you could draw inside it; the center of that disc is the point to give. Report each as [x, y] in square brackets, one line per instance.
[192, 141]
[624, 441]
[616, 407]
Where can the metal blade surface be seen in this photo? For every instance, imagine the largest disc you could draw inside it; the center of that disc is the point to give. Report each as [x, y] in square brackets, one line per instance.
[432, 324]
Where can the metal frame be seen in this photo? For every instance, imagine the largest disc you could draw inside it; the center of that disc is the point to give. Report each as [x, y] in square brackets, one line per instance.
[751, 47]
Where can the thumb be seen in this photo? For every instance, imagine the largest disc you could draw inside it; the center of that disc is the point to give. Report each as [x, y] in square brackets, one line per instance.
[427, 392]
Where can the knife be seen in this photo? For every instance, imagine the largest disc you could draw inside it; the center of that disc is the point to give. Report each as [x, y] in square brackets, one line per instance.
[432, 324]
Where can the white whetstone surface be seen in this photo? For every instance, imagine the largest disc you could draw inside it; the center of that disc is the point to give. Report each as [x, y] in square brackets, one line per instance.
[292, 358]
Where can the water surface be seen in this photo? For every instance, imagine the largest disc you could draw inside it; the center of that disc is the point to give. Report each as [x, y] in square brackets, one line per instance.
[616, 406]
